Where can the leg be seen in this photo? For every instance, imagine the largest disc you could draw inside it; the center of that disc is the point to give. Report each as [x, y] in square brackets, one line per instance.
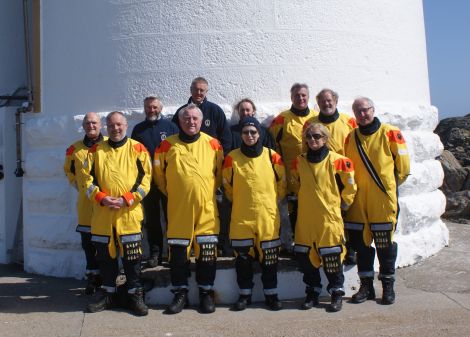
[92, 267]
[312, 280]
[269, 275]
[152, 223]
[205, 273]
[179, 273]
[244, 269]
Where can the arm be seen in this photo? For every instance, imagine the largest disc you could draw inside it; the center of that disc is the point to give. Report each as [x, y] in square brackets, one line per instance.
[227, 177]
[144, 175]
[219, 158]
[93, 191]
[400, 154]
[69, 166]
[159, 166]
[280, 170]
[295, 177]
[345, 170]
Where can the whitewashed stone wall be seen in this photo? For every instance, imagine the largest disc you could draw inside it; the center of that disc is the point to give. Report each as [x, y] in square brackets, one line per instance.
[107, 55]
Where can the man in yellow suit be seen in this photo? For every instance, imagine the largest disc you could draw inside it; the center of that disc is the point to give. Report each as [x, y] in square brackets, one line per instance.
[382, 163]
[188, 169]
[117, 175]
[286, 130]
[74, 158]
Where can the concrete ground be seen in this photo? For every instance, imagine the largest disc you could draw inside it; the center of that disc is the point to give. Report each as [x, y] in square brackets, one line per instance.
[433, 299]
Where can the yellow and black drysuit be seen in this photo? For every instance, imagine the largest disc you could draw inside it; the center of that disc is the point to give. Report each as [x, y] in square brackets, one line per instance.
[286, 129]
[325, 184]
[255, 182]
[74, 158]
[339, 125]
[118, 169]
[189, 170]
[382, 163]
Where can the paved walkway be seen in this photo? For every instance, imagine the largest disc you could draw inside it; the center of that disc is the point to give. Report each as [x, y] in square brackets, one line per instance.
[433, 299]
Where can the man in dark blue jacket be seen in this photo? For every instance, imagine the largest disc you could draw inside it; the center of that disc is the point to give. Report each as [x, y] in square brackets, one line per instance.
[151, 132]
[214, 122]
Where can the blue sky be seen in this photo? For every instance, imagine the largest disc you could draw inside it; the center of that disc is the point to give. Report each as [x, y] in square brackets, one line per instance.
[448, 47]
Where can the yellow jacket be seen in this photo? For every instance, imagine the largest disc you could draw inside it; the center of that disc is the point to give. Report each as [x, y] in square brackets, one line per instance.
[321, 198]
[286, 130]
[189, 174]
[255, 185]
[124, 171]
[339, 130]
[388, 154]
[73, 164]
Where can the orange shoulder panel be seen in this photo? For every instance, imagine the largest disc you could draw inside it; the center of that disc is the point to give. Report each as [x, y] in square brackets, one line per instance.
[279, 120]
[215, 144]
[164, 147]
[70, 150]
[140, 148]
[93, 148]
[395, 136]
[276, 159]
[344, 164]
[295, 164]
[228, 162]
[352, 123]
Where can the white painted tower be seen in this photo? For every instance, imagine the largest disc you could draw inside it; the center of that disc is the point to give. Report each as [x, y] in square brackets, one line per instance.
[109, 54]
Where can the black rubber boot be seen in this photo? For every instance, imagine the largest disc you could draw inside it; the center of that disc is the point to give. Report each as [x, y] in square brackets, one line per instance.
[272, 302]
[311, 300]
[105, 301]
[137, 304]
[93, 284]
[336, 301]
[366, 291]
[180, 301]
[388, 294]
[242, 302]
[206, 301]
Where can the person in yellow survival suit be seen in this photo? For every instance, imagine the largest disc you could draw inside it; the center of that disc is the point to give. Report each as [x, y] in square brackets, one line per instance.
[286, 130]
[325, 184]
[117, 175]
[339, 125]
[74, 158]
[254, 180]
[382, 163]
[188, 169]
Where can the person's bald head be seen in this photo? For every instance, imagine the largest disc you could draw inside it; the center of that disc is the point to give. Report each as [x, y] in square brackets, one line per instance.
[92, 125]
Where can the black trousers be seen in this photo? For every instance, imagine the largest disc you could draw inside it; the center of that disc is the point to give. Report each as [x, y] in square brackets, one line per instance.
[312, 278]
[109, 268]
[90, 251]
[244, 269]
[152, 221]
[180, 272]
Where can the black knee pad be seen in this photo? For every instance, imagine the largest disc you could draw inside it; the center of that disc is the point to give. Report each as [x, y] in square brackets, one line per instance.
[270, 256]
[331, 259]
[208, 253]
[132, 251]
[354, 234]
[382, 233]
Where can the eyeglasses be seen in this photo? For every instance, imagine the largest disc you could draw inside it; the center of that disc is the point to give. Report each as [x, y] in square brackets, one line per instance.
[364, 110]
[315, 136]
[250, 132]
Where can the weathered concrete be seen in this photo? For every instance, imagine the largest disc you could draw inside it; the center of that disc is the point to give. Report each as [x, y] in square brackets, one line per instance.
[433, 299]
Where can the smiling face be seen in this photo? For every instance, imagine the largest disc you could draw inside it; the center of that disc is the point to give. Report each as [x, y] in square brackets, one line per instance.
[250, 135]
[92, 125]
[191, 121]
[152, 109]
[117, 127]
[327, 103]
[315, 138]
[363, 111]
[300, 98]
[198, 92]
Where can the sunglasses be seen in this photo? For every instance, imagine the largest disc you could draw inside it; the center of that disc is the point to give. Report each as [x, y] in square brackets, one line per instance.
[315, 136]
[250, 132]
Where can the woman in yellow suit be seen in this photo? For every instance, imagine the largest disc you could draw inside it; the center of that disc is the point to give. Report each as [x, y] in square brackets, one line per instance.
[254, 180]
[324, 182]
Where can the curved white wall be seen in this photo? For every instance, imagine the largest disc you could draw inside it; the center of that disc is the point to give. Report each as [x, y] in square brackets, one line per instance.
[107, 55]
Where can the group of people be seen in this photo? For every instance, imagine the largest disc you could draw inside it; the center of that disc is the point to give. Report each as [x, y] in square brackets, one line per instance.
[340, 176]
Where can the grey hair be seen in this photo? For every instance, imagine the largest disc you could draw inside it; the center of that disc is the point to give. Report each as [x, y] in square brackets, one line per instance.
[153, 98]
[326, 90]
[199, 79]
[111, 114]
[297, 86]
[188, 107]
[88, 114]
[363, 98]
